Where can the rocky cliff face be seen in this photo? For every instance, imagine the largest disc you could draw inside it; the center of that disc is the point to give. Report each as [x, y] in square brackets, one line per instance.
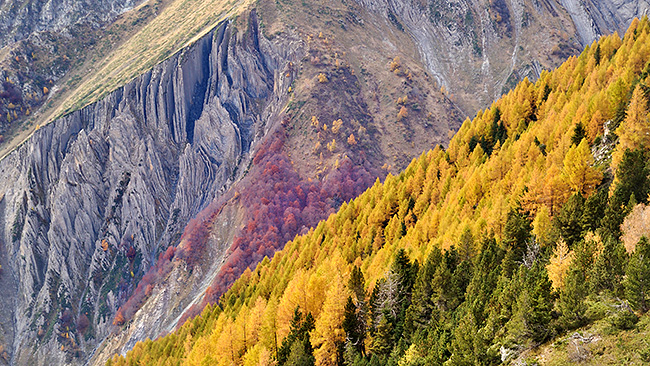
[89, 201]
[19, 18]
[599, 17]
[480, 49]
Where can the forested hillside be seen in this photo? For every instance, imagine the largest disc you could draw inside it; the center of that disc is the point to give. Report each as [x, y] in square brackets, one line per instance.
[487, 252]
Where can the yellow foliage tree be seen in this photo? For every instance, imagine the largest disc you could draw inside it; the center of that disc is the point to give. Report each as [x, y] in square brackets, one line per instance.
[581, 176]
[634, 132]
[268, 332]
[329, 333]
[331, 146]
[322, 78]
[336, 125]
[555, 190]
[595, 125]
[403, 113]
[352, 140]
[395, 64]
[559, 263]
[542, 225]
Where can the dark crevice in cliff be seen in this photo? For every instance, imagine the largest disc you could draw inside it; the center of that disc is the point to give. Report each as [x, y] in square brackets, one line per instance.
[195, 108]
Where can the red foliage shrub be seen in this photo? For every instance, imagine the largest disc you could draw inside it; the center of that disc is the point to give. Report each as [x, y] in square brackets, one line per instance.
[130, 253]
[280, 204]
[66, 318]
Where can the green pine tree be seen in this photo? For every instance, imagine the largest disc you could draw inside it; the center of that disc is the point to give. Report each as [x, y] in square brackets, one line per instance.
[637, 282]
[531, 317]
[571, 302]
[572, 299]
[422, 310]
[579, 133]
[296, 346]
[632, 175]
[382, 342]
[301, 354]
[609, 267]
[515, 236]
[354, 333]
[569, 220]
[594, 210]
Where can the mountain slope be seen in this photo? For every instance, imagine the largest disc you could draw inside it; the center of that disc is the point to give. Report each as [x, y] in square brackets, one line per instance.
[527, 159]
[330, 95]
[20, 18]
[73, 226]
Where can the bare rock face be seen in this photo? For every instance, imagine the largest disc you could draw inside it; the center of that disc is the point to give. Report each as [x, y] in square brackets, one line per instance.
[91, 199]
[480, 49]
[599, 17]
[19, 18]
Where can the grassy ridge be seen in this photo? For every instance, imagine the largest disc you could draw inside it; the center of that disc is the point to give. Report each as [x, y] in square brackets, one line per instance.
[133, 44]
[178, 24]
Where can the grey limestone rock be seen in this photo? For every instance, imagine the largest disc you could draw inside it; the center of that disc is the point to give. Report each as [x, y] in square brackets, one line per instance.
[128, 171]
[19, 18]
[479, 49]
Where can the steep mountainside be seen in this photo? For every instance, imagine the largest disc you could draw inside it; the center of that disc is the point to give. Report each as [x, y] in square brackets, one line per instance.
[126, 174]
[478, 50]
[52, 73]
[68, 49]
[20, 18]
[259, 129]
[503, 248]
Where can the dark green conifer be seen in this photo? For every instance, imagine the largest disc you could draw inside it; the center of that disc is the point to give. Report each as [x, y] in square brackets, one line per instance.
[632, 175]
[296, 346]
[637, 281]
[516, 233]
[594, 210]
[609, 267]
[579, 133]
[569, 220]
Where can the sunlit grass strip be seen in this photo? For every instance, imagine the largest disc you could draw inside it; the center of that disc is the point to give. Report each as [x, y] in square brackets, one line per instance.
[180, 23]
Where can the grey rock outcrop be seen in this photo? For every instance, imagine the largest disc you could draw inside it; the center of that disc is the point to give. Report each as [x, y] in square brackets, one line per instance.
[594, 18]
[19, 18]
[128, 171]
[480, 49]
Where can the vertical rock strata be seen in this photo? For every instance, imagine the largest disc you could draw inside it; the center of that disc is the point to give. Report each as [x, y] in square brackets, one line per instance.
[128, 171]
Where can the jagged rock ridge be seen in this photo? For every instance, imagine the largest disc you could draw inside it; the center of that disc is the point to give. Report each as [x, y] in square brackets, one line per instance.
[128, 171]
[19, 18]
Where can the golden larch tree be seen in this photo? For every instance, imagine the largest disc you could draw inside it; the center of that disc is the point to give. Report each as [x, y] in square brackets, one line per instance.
[581, 176]
[634, 132]
[403, 113]
[559, 264]
[329, 331]
[542, 225]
